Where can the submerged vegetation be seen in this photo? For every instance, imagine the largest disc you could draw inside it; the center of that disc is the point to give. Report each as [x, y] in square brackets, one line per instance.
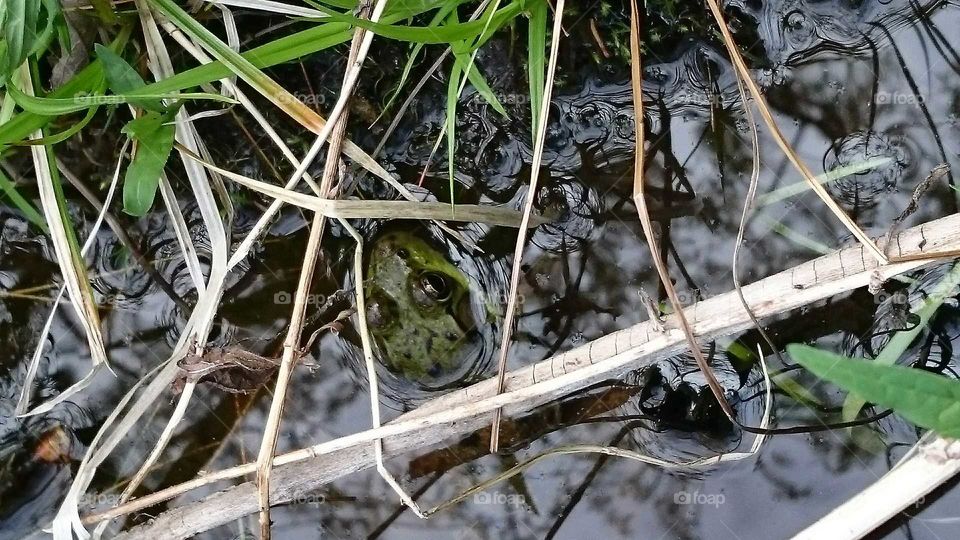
[453, 211]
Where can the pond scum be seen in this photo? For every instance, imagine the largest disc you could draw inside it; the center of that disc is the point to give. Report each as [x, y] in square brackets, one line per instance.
[513, 233]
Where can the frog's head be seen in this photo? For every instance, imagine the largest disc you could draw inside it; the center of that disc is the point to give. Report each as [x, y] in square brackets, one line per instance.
[418, 307]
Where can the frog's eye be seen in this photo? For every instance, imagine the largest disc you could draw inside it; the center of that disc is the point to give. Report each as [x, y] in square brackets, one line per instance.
[436, 286]
[402, 253]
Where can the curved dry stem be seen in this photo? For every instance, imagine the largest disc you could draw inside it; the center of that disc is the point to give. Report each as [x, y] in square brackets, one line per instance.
[369, 363]
[647, 226]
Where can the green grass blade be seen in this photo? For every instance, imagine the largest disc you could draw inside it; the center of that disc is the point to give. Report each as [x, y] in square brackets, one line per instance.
[840, 172]
[437, 19]
[18, 30]
[240, 66]
[447, 33]
[453, 92]
[26, 208]
[59, 106]
[479, 83]
[536, 59]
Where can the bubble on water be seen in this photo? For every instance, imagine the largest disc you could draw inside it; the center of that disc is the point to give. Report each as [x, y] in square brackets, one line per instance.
[861, 190]
[573, 210]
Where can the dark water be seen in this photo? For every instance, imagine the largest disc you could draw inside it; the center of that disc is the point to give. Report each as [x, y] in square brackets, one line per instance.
[848, 81]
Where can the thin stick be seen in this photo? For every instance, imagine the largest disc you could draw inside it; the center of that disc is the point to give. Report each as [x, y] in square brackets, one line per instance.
[748, 205]
[647, 225]
[372, 372]
[744, 74]
[508, 321]
[336, 131]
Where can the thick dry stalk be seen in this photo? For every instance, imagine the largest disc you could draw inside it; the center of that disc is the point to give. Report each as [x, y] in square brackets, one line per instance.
[611, 356]
[930, 463]
[288, 361]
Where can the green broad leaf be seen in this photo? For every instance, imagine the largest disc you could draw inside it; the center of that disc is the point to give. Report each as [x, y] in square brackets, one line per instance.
[928, 400]
[154, 138]
[58, 106]
[947, 287]
[122, 78]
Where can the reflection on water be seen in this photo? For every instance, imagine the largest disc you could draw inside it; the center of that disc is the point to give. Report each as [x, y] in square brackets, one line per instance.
[848, 81]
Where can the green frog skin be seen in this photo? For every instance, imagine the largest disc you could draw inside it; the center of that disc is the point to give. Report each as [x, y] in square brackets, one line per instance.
[418, 307]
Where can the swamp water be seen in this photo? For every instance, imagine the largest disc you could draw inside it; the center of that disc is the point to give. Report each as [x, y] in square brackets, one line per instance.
[848, 81]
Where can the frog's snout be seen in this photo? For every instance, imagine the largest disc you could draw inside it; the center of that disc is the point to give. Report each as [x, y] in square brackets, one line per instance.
[381, 312]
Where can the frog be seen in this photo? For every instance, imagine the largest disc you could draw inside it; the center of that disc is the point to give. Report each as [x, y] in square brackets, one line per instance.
[418, 307]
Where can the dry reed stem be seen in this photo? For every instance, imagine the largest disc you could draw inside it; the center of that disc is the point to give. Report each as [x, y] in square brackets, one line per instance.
[743, 73]
[510, 315]
[647, 226]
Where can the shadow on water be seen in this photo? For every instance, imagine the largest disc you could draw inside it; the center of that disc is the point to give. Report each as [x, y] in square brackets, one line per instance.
[848, 81]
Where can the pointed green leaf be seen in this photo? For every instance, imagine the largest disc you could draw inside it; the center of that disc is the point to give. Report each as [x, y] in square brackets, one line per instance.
[536, 58]
[123, 78]
[479, 83]
[926, 399]
[154, 142]
[946, 287]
